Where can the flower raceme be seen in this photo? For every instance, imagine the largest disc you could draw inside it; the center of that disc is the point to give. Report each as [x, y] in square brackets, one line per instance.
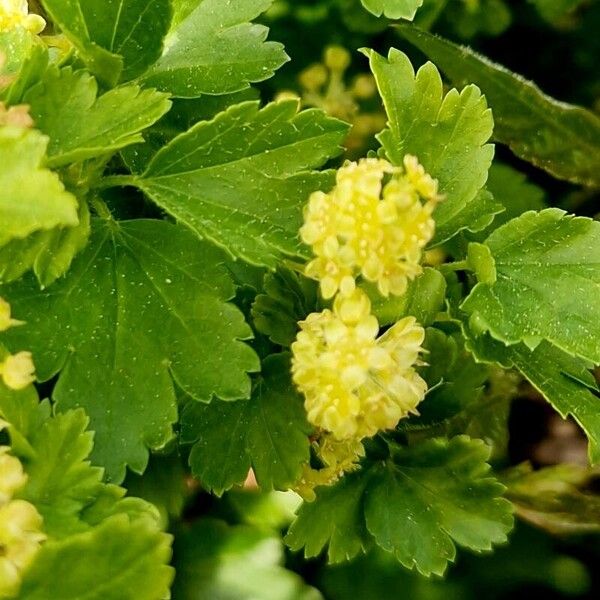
[355, 383]
[15, 13]
[366, 226]
[337, 457]
[20, 525]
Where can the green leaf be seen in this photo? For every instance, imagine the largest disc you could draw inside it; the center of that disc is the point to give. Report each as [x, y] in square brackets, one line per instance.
[132, 29]
[118, 560]
[424, 300]
[563, 380]
[80, 126]
[32, 198]
[559, 499]
[432, 496]
[558, 137]
[215, 561]
[215, 49]
[242, 179]
[448, 135]
[70, 16]
[145, 302]
[269, 433]
[60, 480]
[288, 298]
[48, 253]
[26, 59]
[548, 271]
[335, 519]
[393, 9]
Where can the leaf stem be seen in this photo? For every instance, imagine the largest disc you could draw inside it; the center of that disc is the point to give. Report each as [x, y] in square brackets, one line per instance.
[116, 181]
[459, 265]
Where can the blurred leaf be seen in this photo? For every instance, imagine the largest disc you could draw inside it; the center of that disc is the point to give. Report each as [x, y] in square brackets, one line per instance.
[162, 484]
[558, 499]
[393, 9]
[48, 253]
[25, 60]
[561, 138]
[516, 193]
[217, 562]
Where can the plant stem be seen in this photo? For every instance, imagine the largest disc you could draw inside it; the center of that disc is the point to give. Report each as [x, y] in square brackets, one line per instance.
[460, 265]
[116, 181]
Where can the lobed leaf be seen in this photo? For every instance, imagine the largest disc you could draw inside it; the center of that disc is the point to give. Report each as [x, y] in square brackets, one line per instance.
[335, 519]
[269, 433]
[547, 272]
[143, 304]
[558, 137]
[432, 496]
[213, 48]
[242, 179]
[80, 125]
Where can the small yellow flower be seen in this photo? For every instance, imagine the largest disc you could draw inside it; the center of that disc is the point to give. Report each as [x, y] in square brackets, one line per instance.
[12, 477]
[363, 227]
[354, 383]
[18, 370]
[20, 540]
[15, 13]
[338, 457]
[5, 320]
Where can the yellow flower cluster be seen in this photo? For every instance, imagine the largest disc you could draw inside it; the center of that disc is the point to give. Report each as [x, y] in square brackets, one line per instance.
[15, 13]
[337, 457]
[20, 525]
[369, 227]
[374, 224]
[355, 383]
